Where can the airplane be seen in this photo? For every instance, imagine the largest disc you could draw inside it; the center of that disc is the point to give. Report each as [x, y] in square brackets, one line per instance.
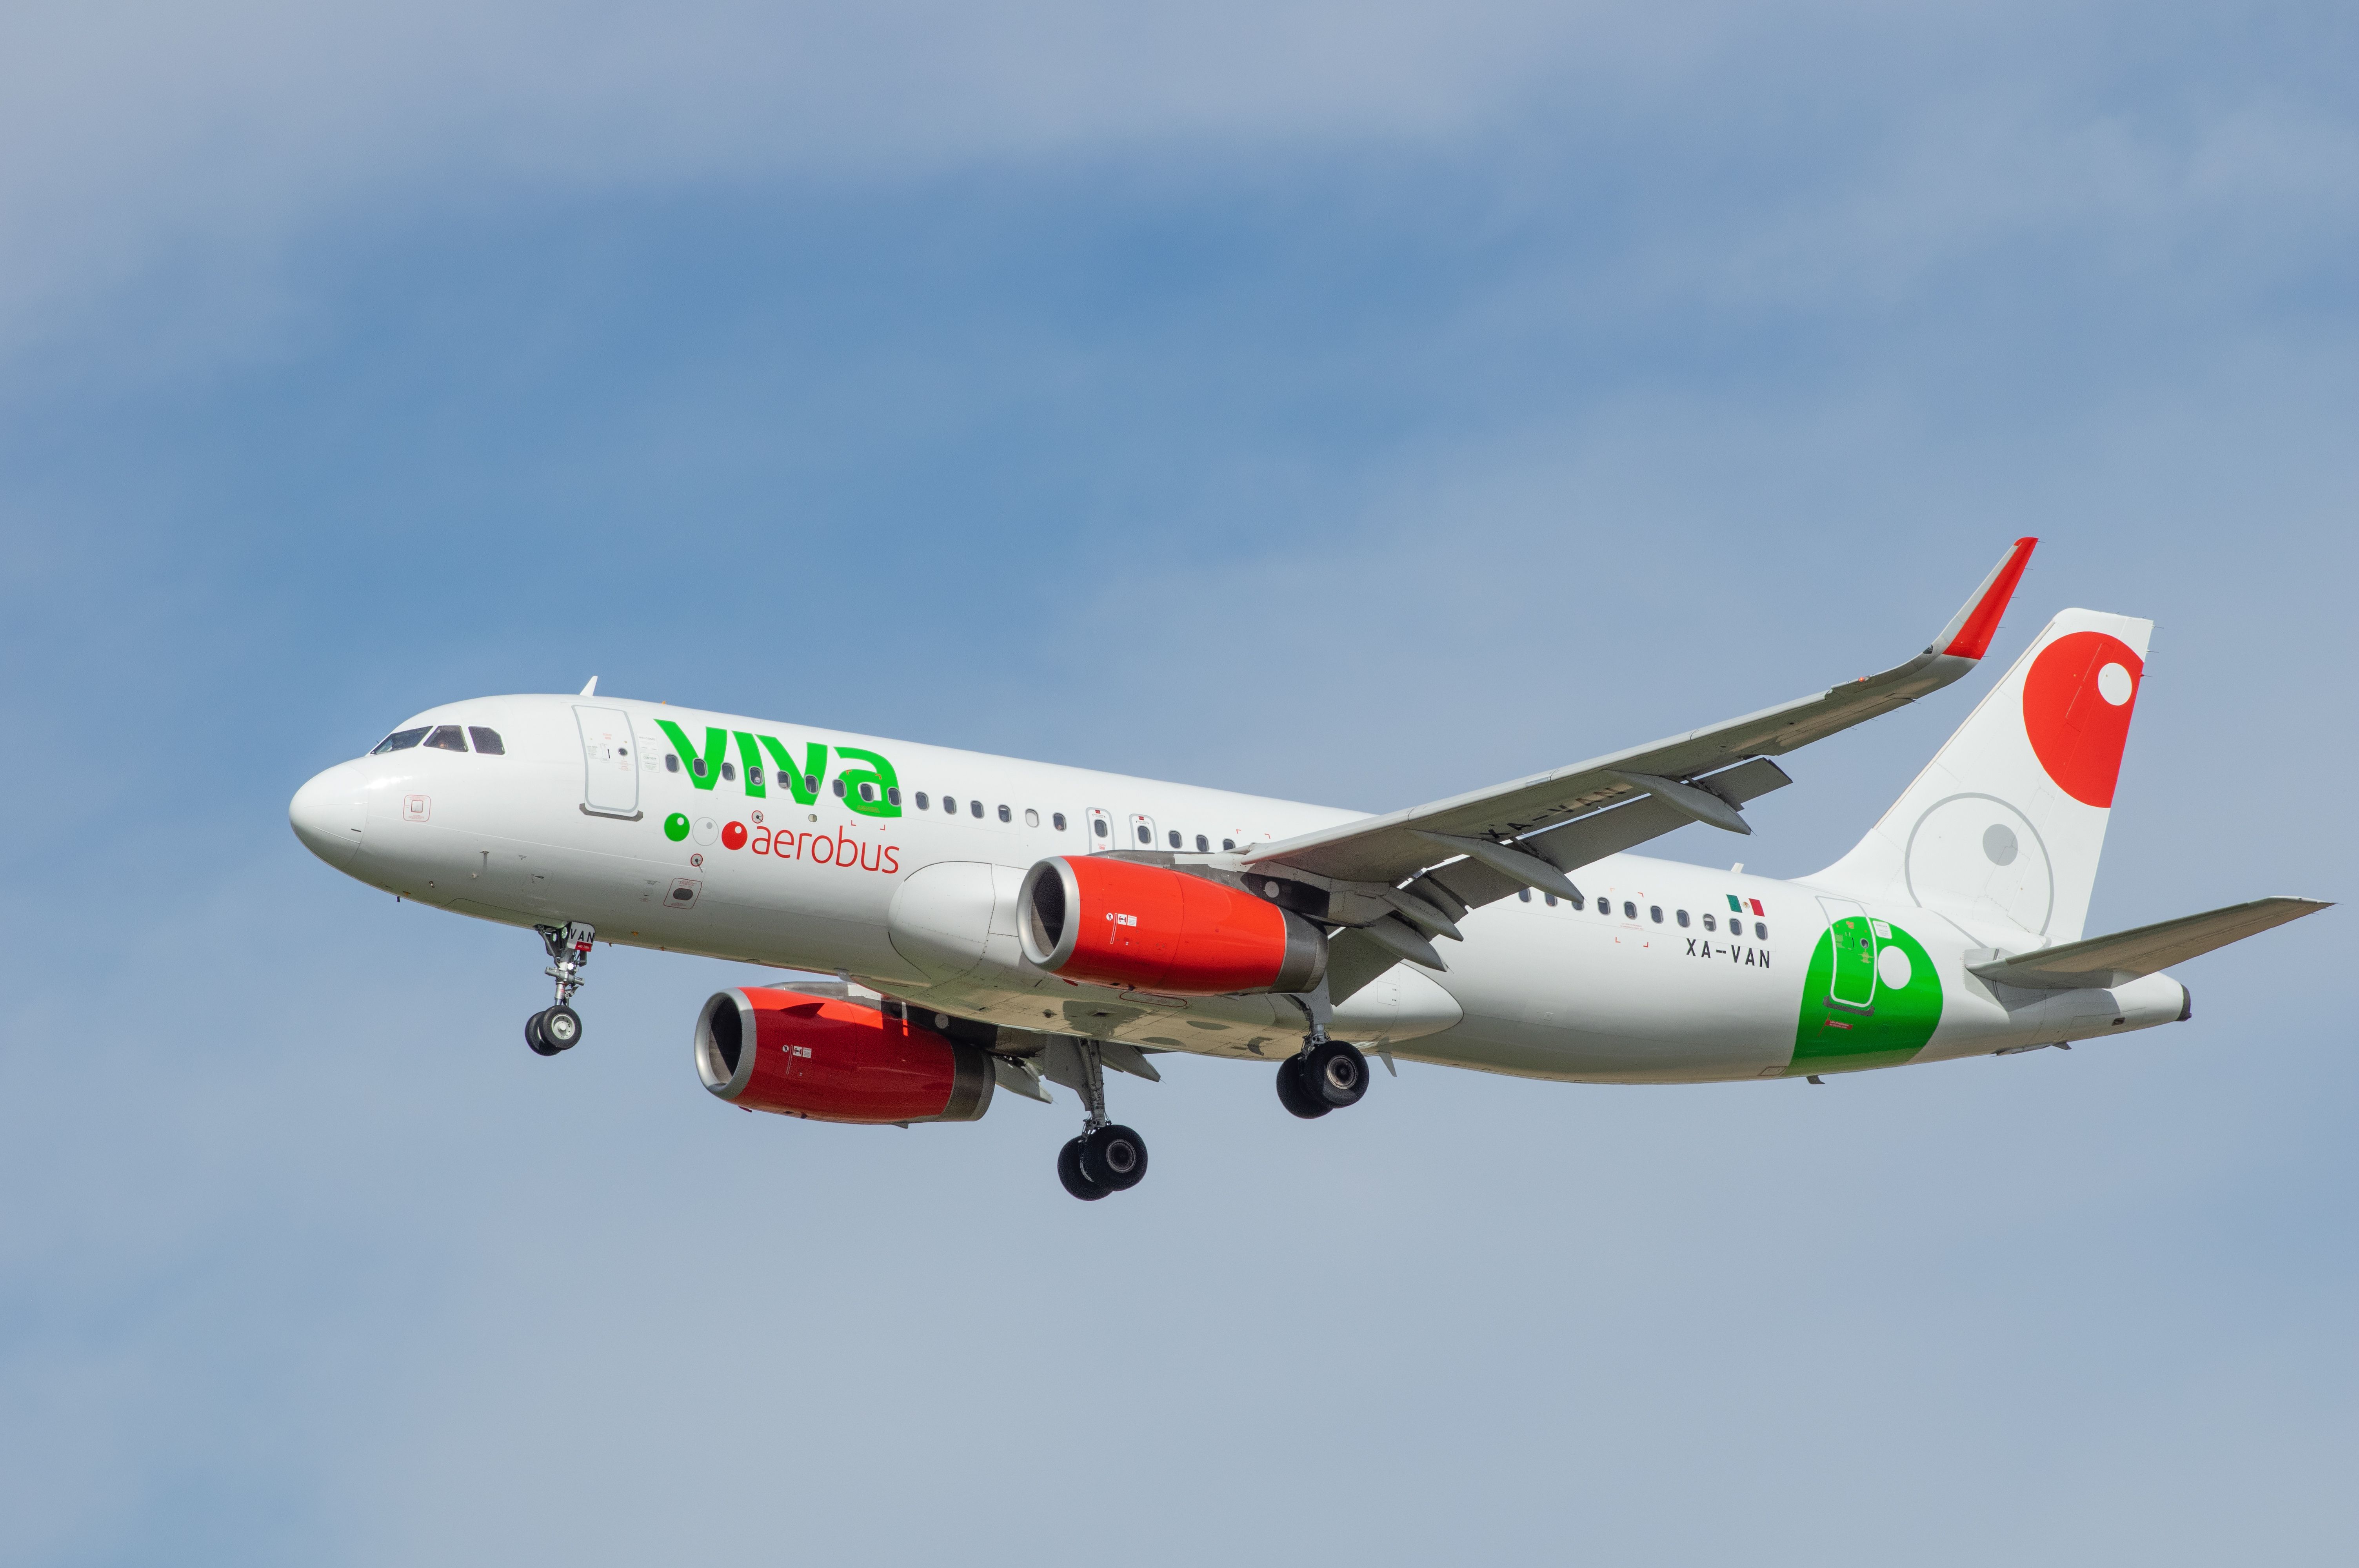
[998, 924]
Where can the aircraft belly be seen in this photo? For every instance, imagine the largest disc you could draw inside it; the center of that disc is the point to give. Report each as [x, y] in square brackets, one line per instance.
[1621, 1001]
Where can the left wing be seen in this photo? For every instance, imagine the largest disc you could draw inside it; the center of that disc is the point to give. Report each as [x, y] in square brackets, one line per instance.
[1481, 846]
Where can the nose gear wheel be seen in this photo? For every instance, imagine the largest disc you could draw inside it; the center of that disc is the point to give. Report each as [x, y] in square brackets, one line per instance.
[557, 1027]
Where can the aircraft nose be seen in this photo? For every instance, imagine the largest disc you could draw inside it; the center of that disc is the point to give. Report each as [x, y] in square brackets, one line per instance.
[329, 812]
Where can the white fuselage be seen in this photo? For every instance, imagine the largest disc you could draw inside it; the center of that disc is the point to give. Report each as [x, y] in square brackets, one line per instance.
[1633, 988]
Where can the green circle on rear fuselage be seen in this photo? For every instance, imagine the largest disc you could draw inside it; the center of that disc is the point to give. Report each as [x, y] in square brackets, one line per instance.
[675, 827]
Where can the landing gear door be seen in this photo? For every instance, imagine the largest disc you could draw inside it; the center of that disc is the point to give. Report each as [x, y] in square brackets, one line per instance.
[1853, 982]
[609, 763]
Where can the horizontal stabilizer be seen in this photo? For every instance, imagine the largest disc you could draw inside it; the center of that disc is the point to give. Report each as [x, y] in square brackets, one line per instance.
[2103, 962]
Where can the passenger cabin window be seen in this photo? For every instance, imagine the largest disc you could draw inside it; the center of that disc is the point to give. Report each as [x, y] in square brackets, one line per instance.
[1708, 925]
[949, 804]
[1524, 893]
[488, 741]
[1005, 815]
[1204, 845]
[1629, 910]
[893, 796]
[671, 762]
[1228, 843]
[1655, 912]
[975, 807]
[839, 789]
[729, 771]
[1144, 836]
[1683, 918]
[1059, 818]
[1761, 931]
[701, 769]
[1175, 838]
[1032, 817]
[868, 792]
[753, 778]
[921, 800]
[1098, 825]
[1548, 899]
[447, 738]
[399, 740]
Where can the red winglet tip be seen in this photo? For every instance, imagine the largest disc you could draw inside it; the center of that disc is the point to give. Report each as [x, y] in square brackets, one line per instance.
[1981, 623]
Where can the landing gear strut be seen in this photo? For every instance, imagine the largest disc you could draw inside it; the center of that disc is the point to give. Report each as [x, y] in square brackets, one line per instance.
[1107, 1157]
[557, 1027]
[1325, 1075]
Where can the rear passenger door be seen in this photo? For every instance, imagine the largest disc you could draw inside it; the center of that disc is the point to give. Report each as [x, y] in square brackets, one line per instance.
[609, 762]
[1852, 981]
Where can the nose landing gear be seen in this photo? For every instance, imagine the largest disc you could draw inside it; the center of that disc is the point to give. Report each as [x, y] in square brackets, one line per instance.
[1107, 1157]
[557, 1027]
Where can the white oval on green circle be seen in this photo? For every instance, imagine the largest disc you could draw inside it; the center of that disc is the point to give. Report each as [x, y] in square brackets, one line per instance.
[1893, 968]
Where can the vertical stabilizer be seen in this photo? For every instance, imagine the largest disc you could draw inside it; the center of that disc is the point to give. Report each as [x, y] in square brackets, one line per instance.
[2002, 831]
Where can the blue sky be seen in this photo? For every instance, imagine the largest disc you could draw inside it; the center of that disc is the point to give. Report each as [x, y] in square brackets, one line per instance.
[1352, 403]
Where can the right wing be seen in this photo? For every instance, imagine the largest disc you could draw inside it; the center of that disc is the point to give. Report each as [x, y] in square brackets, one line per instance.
[1477, 847]
[2102, 963]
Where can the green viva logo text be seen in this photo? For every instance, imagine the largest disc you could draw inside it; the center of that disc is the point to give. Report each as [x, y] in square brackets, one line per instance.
[873, 790]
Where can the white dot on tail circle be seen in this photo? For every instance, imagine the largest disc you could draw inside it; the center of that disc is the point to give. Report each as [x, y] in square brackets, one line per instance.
[1892, 968]
[2114, 684]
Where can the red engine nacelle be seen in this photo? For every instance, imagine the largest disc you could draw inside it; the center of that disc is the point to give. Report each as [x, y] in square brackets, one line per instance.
[1123, 923]
[831, 1060]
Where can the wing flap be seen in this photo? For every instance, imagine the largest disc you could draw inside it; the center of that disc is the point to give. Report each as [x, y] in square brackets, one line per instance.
[2101, 963]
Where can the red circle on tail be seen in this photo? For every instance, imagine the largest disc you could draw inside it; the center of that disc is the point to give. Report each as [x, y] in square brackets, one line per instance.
[2077, 711]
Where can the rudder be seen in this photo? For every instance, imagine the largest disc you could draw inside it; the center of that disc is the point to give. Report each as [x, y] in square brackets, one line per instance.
[2002, 830]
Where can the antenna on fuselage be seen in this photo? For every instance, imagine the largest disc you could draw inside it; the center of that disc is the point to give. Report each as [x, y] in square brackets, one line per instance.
[592, 689]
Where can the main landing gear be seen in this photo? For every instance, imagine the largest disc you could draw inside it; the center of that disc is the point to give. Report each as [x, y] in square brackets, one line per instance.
[1107, 1157]
[558, 1027]
[1325, 1075]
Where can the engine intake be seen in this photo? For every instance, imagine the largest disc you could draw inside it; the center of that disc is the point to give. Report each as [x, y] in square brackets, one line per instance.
[831, 1060]
[1123, 923]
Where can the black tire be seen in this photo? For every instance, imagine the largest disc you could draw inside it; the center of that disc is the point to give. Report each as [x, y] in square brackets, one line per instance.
[537, 1041]
[1335, 1073]
[1068, 1171]
[1295, 1094]
[561, 1027]
[1115, 1158]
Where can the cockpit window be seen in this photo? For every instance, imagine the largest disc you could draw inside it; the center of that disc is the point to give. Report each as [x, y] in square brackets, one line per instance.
[488, 741]
[446, 738]
[399, 740]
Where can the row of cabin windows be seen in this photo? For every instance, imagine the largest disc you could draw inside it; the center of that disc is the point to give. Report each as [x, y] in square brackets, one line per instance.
[976, 808]
[756, 779]
[442, 737]
[1204, 844]
[1654, 913]
[1057, 820]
